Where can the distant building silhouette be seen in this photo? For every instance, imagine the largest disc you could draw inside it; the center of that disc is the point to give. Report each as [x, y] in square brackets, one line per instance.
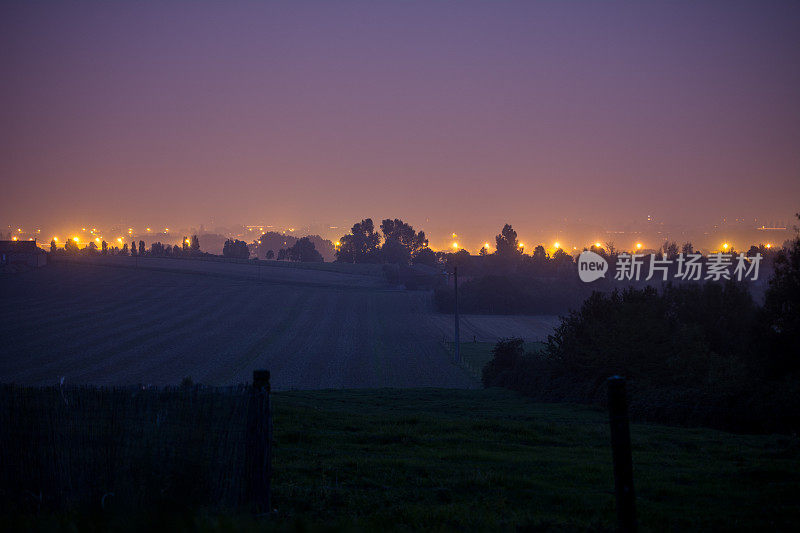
[24, 253]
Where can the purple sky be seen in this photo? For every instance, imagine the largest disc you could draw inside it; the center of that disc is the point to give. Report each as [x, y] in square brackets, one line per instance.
[454, 116]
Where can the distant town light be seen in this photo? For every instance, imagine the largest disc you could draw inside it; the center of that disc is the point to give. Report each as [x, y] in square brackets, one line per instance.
[638, 246]
[55, 239]
[557, 245]
[455, 245]
[598, 244]
[76, 239]
[97, 239]
[337, 243]
[14, 238]
[148, 229]
[725, 245]
[486, 245]
[769, 245]
[521, 245]
[119, 239]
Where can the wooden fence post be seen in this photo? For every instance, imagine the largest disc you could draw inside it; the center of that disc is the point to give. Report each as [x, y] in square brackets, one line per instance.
[621, 451]
[258, 447]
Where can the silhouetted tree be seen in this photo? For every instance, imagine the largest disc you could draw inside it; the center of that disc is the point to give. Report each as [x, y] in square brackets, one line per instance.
[599, 250]
[687, 248]
[425, 256]
[669, 250]
[540, 254]
[133, 248]
[483, 251]
[141, 247]
[124, 250]
[283, 254]
[185, 245]
[104, 248]
[270, 254]
[92, 248]
[304, 251]
[508, 247]
[394, 252]
[560, 258]
[782, 311]
[53, 246]
[360, 245]
[71, 247]
[461, 259]
[398, 231]
[195, 246]
[236, 249]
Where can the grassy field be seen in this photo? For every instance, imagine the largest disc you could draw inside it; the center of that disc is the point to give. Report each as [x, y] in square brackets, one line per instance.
[491, 460]
[117, 326]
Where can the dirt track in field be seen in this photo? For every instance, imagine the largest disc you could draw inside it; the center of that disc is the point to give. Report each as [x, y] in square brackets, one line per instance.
[104, 325]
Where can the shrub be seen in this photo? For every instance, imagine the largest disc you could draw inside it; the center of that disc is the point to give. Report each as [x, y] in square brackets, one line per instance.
[690, 353]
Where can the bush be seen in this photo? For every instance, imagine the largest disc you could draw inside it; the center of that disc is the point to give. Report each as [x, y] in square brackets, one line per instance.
[690, 353]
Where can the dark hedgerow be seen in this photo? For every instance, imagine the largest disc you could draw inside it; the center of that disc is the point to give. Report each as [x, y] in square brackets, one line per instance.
[691, 354]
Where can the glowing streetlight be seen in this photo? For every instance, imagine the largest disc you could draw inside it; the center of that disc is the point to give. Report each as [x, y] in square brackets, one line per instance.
[97, 239]
[638, 246]
[337, 244]
[455, 245]
[557, 245]
[119, 240]
[725, 246]
[76, 239]
[769, 245]
[597, 244]
[14, 238]
[55, 239]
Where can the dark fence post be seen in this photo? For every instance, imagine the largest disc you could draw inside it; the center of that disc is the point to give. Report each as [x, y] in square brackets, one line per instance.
[258, 461]
[621, 451]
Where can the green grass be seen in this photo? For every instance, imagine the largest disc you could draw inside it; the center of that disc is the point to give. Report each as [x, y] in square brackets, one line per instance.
[475, 355]
[493, 460]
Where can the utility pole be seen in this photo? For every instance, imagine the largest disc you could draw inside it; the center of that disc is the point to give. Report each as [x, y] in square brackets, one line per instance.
[455, 304]
[621, 452]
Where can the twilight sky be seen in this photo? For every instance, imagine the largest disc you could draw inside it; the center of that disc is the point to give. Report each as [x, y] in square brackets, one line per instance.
[456, 116]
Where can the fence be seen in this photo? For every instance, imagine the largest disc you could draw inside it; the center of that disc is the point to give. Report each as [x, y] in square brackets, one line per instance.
[62, 448]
